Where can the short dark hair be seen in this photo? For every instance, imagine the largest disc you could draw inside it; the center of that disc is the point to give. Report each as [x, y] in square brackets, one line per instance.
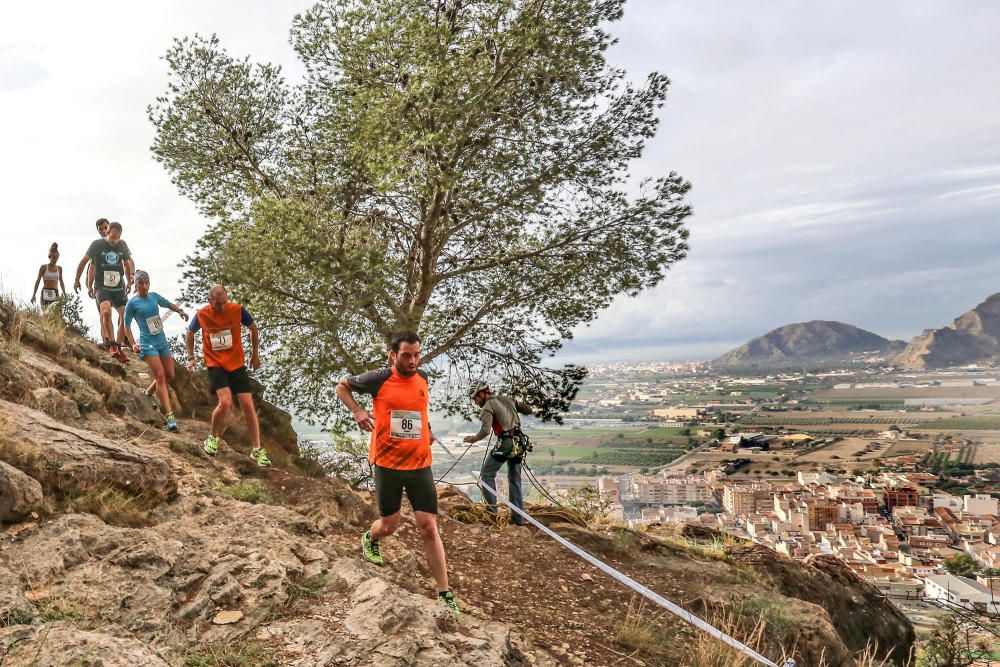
[400, 337]
[115, 225]
[101, 221]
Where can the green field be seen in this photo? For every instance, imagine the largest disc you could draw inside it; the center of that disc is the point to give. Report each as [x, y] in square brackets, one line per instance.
[593, 447]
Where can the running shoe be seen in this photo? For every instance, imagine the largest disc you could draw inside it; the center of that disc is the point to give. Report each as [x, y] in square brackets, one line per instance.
[260, 456]
[121, 356]
[449, 601]
[212, 445]
[171, 422]
[369, 549]
[113, 351]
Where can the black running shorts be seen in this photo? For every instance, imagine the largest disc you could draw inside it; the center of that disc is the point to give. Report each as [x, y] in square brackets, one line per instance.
[418, 484]
[116, 297]
[237, 381]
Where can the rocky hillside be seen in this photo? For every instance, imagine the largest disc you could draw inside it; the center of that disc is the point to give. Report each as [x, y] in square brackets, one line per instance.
[807, 342]
[973, 338]
[123, 544]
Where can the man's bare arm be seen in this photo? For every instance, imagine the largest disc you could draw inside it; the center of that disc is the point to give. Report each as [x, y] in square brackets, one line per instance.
[79, 272]
[361, 416]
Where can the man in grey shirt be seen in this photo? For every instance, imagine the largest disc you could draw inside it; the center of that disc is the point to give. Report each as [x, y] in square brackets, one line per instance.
[499, 415]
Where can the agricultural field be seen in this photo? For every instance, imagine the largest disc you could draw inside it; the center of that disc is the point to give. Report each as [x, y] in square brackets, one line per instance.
[615, 450]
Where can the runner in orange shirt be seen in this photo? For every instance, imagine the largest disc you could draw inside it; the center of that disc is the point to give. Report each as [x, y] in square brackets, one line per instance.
[400, 452]
[221, 324]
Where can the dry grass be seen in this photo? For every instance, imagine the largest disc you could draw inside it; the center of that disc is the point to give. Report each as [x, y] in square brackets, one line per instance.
[112, 505]
[644, 634]
[242, 653]
[103, 383]
[11, 338]
[46, 330]
[250, 491]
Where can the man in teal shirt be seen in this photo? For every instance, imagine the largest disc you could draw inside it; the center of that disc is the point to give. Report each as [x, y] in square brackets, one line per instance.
[153, 347]
[112, 261]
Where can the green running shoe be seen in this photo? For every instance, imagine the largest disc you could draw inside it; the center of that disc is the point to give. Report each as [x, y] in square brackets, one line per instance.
[171, 422]
[369, 549]
[212, 445]
[260, 456]
[449, 600]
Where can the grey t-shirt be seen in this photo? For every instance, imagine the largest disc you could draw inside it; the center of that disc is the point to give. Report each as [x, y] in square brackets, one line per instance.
[108, 263]
[503, 410]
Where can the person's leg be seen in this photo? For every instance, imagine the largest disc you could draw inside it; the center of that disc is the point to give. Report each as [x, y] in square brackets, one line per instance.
[221, 411]
[107, 329]
[250, 415]
[120, 336]
[488, 476]
[433, 548]
[168, 367]
[155, 364]
[514, 492]
[422, 494]
[389, 498]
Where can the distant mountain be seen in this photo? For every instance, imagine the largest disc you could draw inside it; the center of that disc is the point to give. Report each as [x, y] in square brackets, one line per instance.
[973, 338]
[808, 342]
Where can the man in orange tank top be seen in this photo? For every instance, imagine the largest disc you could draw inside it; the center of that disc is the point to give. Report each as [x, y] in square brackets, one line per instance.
[221, 324]
[400, 452]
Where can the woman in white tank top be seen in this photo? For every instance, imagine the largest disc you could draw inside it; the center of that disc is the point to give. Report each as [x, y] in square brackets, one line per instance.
[50, 276]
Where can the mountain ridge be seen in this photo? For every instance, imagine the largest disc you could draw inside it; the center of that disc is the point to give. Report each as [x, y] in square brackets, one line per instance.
[972, 338]
[814, 341]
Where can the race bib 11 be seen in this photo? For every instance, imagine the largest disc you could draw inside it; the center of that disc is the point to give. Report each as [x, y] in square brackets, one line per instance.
[112, 279]
[221, 340]
[405, 424]
[155, 325]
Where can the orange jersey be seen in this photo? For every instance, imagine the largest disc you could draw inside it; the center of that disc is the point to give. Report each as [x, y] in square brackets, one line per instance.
[221, 336]
[402, 435]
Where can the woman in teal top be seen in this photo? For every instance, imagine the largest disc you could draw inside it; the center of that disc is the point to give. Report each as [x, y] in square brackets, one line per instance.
[153, 347]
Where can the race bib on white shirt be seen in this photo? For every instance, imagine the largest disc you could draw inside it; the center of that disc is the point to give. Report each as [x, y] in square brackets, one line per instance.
[405, 424]
[112, 279]
[49, 294]
[221, 340]
[155, 325]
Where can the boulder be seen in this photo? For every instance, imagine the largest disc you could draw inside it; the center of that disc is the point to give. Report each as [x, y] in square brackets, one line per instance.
[54, 404]
[133, 401]
[20, 495]
[57, 644]
[66, 459]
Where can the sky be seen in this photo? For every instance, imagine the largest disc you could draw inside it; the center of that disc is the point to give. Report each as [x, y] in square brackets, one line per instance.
[844, 156]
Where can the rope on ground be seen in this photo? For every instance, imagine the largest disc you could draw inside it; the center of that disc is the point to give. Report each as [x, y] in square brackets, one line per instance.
[678, 611]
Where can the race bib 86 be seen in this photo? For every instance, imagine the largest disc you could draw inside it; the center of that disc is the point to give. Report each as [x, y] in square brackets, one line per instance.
[405, 424]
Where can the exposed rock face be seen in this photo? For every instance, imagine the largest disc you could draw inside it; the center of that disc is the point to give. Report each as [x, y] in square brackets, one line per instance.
[65, 459]
[973, 338]
[20, 495]
[53, 403]
[805, 342]
[59, 644]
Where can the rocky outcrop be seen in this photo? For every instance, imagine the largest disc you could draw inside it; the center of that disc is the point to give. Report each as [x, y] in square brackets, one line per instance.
[807, 342]
[59, 644]
[20, 495]
[71, 460]
[973, 338]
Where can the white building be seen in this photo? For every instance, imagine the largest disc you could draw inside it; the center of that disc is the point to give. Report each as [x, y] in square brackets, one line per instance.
[979, 505]
[947, 501]
[959, 591]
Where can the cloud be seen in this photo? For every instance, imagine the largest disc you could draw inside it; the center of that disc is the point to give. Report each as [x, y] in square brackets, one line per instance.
[842, 168]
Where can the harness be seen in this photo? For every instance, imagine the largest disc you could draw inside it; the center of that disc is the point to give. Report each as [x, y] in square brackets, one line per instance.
[511, 444]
